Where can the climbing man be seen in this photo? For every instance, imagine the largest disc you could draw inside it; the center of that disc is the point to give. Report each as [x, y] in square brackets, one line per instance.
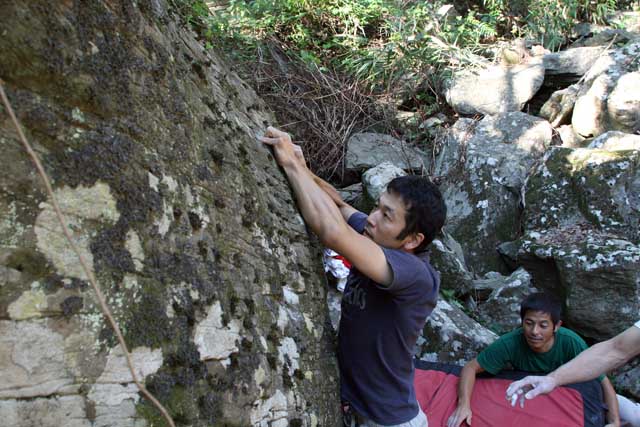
[391, 289]
[540, 345]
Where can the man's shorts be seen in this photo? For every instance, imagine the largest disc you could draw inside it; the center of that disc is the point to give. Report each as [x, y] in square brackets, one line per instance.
[351, 419]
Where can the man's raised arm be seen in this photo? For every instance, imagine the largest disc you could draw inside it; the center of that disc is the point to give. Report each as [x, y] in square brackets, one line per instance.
[597, 360]
[322, 214]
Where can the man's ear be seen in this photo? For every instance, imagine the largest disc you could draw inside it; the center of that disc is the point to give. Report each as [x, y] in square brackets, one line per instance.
[557, 326]
[412, 241]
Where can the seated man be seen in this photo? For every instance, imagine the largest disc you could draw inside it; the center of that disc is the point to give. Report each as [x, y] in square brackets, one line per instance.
[540, 345]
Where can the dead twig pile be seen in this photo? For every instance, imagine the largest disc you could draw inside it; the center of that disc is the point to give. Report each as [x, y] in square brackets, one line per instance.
[319, 107]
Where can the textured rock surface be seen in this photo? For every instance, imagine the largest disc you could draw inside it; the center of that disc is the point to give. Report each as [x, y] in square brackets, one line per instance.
[568, 66]
[451, 336]
[559, 108]
[581, 218]
[501, 310]
[182, 216]
[597, 186]
[608, 98]
[485, 164]
[597, 275]
[367, 150]
[496, 89]
[375, 180]
[447, 257]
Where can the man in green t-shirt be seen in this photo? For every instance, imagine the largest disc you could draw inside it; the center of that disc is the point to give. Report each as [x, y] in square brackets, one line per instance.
[539, 346]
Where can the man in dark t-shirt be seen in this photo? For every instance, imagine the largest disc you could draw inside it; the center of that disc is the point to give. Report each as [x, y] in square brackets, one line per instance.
[390, 291]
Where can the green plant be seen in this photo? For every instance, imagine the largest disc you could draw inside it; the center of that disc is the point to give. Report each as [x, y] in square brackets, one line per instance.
[548, 21]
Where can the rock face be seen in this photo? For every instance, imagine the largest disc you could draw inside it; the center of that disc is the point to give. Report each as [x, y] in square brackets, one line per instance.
[485, 164]
[183, 217]
[367, 150]
[581, 240]
[496, 89]
[451, 336]
[608, 98]
[501, 309]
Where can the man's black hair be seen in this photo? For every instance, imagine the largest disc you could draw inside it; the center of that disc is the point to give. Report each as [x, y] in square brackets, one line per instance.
[544, 302]
[426, 210]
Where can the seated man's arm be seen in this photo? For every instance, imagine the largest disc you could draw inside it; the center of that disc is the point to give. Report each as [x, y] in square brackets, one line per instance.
[465, 389]
[611, 400]
[322, 214]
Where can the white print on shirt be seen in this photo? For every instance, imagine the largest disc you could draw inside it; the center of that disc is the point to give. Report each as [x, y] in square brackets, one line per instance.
[357, 296]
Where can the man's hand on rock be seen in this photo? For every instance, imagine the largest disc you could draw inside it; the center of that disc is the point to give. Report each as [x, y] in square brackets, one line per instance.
[287, 153]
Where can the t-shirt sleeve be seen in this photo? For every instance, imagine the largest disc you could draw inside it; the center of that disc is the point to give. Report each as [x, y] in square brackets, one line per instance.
[497, 356]
[407, 270]
[357, 221]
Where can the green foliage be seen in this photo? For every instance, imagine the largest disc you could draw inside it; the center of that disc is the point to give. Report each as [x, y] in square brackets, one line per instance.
[379, 41]
[548, 21]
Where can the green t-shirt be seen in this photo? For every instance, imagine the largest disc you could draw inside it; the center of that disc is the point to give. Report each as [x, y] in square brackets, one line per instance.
[512, 349]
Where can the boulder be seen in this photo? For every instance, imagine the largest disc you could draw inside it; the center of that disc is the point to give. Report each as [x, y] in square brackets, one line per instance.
[450, 336]
[568, 66]
[375, 180]
[368, 150]
[559, 108]
[496, 89]
[183, 217]
[484, 165]
[623, 104]
[616, 141]
[626, 379]
[596, 110]
[500, 311]
[569, 137]
[594, 186]
[447, 258]
[596, 274]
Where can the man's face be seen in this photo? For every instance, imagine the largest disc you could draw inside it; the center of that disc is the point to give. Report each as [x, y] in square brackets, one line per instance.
[386, 221]
[539, 330]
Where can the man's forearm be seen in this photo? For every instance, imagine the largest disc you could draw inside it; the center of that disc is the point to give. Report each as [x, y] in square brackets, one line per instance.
[330, 190]
[465, 385]
[611, 400]
[595, 361]
[345, 209]
[317, 207]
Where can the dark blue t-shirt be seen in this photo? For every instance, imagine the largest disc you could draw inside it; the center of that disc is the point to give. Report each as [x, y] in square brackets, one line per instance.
[379, 327]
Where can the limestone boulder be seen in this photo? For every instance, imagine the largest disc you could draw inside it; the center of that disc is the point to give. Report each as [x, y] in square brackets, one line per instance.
[495, 89]
[608, 98]
[500, 311]
[367, 150]
[451, 336]
[181, 214]
[596, 274]
[484, 165]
